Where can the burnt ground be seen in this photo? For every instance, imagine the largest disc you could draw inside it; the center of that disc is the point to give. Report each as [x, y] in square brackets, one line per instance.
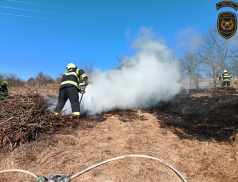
[202, 115]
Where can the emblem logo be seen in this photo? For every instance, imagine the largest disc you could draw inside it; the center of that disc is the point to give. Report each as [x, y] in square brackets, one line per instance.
[227, 24]
[227, 4]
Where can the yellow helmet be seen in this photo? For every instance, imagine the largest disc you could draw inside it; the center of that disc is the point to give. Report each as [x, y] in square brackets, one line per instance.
[4, 83]
[71, 65]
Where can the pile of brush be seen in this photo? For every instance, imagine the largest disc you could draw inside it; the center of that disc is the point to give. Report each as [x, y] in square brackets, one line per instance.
[24, 117]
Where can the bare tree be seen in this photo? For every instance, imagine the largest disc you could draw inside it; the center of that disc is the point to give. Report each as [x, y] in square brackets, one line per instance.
[43, 79]
[232, 66]
[31, 82]
[88, 67]
[215, 51]
[13, 80]
[190, 65]
[124, 62]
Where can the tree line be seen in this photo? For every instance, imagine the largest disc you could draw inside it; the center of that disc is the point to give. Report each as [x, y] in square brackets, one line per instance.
[39, 80]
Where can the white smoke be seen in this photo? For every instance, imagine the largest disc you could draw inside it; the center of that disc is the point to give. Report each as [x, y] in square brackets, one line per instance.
[150, 76]
[188, 39]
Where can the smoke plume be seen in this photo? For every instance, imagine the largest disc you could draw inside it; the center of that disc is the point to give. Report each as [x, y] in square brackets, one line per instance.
[149, 76]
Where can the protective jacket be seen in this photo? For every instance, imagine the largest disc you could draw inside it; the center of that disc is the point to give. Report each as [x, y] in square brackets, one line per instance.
[73, 77]
[4, 91]
[225, 76]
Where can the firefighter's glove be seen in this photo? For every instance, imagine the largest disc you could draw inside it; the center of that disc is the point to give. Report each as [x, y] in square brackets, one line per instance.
[82, 91]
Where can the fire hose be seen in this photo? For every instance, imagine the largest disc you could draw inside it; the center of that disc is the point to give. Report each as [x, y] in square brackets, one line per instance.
[60, 178]
[82, 88]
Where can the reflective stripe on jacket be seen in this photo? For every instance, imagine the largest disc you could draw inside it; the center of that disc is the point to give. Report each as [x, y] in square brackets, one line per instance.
[72, 77]
[4, 91]
[226, 77]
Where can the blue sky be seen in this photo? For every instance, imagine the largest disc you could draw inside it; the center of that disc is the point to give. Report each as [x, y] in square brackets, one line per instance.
[46, 35]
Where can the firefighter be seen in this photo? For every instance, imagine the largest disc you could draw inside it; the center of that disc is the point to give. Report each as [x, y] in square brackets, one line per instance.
[226, 80]
[74, 80]
[4, 90]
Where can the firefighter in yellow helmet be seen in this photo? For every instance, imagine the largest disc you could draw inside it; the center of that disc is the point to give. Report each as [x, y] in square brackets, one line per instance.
[226, 80]
[4, 90]
[74, 80]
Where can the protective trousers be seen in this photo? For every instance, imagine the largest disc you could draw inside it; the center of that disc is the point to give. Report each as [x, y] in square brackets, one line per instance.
[226, 83]
[70, 93]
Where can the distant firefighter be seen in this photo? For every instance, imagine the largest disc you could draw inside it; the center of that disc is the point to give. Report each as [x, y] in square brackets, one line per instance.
[4, 90]
[74, 80]
[226, 80]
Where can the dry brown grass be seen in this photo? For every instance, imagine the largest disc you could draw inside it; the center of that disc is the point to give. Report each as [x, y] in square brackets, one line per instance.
[44, 91]
[201, 95]
[70, 153]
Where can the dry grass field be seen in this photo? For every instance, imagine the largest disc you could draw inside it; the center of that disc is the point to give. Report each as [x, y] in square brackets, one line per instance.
[196, 133]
